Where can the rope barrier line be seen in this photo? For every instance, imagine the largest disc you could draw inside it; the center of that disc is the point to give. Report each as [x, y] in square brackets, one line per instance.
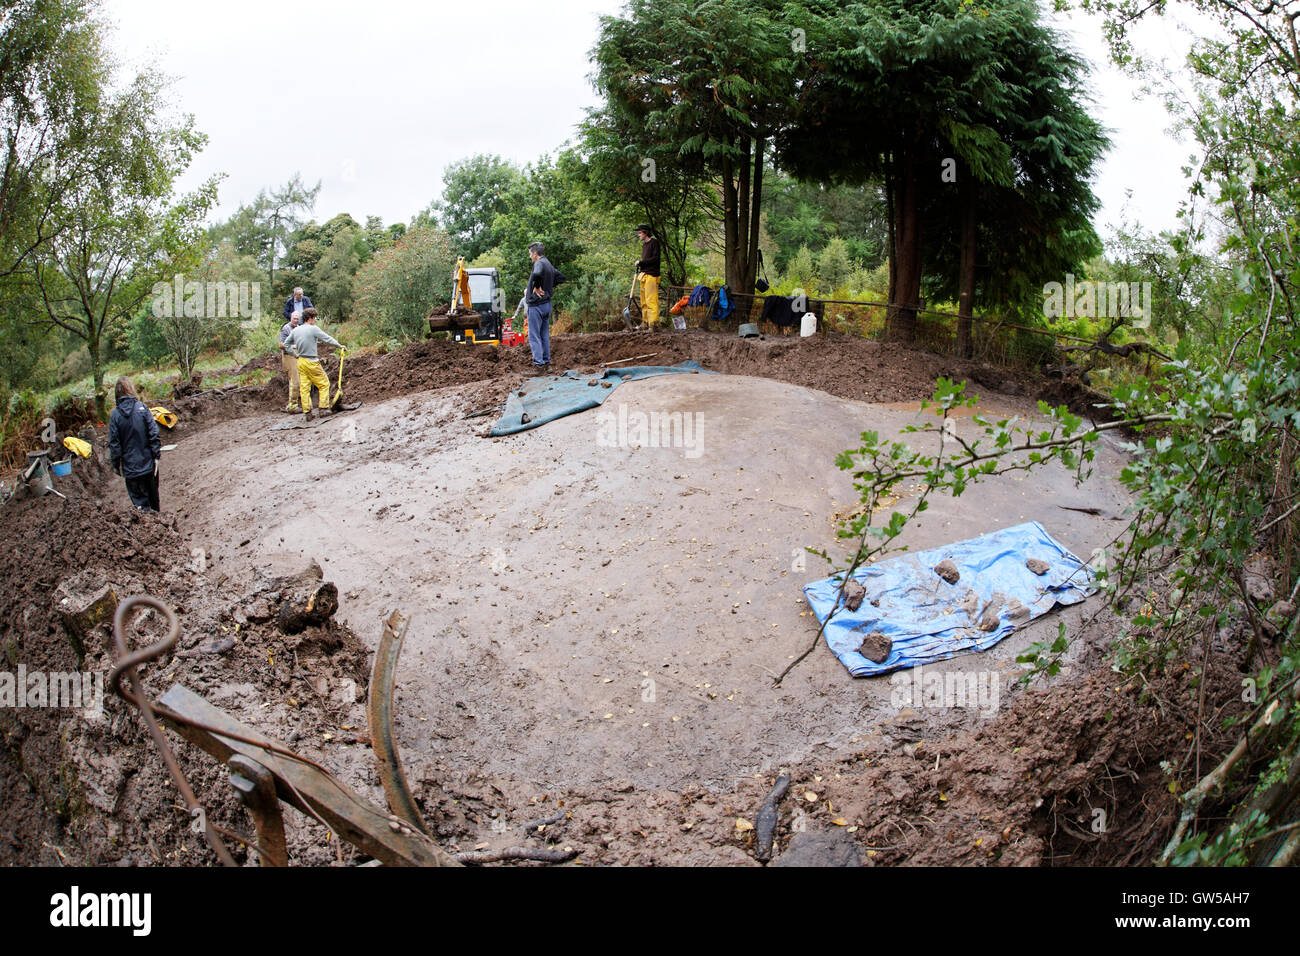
[816, 306]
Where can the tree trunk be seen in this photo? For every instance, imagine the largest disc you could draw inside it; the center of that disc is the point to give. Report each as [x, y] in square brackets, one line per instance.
[97, 375]
[729, 223]
[270, 282]
[966, 278]
[742, 195]
[905, 296]
[742, 222]
[756, 216]
[892, 239]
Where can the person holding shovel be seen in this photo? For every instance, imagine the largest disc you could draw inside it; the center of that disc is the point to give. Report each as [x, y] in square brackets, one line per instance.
[134, 446]
[647, 268]
[302, 343]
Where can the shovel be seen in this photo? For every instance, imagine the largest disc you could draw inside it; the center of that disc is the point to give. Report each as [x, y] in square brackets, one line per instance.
[628, 319]
[338, 405]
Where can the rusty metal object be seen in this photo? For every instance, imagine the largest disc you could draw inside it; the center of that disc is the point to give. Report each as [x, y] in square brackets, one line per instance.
[380, 709]
[126, 666]
[302, 783]
[256, 789]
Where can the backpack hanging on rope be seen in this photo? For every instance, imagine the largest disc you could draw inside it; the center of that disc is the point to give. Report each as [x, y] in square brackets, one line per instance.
[722, 307]
[762, 285]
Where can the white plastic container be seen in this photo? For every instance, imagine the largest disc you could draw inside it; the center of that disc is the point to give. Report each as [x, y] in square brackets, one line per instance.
[809, 325]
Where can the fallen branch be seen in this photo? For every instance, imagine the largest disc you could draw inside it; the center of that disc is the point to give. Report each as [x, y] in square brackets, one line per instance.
[537, 825]
[626, 360]
[472, 857]
[223, 645]
[765, 822]
[1213, 781]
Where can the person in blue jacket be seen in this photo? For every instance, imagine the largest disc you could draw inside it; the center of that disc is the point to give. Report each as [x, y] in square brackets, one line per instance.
[296, 303]
[134, 446]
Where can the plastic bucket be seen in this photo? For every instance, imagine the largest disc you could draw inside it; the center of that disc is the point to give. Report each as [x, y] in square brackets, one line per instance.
[62, 468]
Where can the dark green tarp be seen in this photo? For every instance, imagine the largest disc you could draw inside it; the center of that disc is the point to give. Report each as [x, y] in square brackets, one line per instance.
[548, 397]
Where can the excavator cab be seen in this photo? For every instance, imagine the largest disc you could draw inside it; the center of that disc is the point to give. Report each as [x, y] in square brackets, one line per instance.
[485, 299]
[475, 316]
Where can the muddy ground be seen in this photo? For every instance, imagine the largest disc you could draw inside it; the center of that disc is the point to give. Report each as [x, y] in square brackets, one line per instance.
[593, 629]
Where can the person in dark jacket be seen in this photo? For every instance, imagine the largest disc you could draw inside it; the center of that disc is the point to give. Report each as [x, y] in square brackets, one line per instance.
[134, 446]
[537, 294]
[296, 303]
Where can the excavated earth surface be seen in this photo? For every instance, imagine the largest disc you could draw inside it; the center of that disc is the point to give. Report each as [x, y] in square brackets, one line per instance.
[594, 627]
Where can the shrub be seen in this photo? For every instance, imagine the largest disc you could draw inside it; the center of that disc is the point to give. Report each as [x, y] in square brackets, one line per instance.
[266, 336]
[834, 265]
[396, 289]
[146, 344]
[801, 271]
[596, 303]
[75, 366]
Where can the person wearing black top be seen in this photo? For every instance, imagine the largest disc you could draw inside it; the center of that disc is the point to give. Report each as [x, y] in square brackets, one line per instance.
[541, 283]
[134, 446]
[648, 269]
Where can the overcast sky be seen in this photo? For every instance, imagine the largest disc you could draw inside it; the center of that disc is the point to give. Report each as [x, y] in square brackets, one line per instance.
[374, 99]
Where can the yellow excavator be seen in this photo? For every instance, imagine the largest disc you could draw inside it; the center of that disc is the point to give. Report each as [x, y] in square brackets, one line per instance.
[474, 316]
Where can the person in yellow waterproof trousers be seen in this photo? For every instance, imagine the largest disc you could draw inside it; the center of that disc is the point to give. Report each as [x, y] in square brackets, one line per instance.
[303, 343]
[648, 267]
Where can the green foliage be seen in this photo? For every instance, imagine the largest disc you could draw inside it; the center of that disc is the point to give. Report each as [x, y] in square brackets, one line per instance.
[75, 365]
[264, 337]
[595, 304]
[125, 230]
[32, 350]
[376, 236]
[834, 265]
[278, 214]
[700, 87]
[635, 181]
[802, 271]
[332, 276]
[147, 344]
[492, 259]
[904, 87]
[397, 288]
[1213, 468]
[1044, 657]
[475, 191]
[53, 80]
[543, 206]
[809, 214]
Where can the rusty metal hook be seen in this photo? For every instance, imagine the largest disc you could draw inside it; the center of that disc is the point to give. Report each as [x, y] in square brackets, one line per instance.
[128, 661]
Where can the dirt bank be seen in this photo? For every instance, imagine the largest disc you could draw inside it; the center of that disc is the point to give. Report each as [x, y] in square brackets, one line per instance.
[843, 366]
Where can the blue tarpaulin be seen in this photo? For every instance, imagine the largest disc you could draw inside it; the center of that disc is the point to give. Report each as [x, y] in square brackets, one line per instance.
[931, 620]
[549, 397]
